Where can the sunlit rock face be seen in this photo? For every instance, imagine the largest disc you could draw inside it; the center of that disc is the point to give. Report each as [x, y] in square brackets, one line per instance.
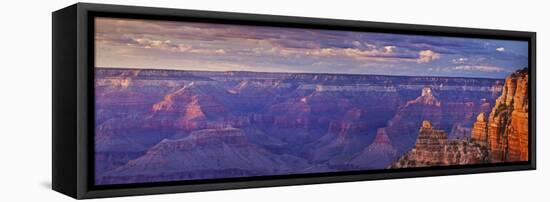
[432, 148]
[479, 131]
[162, 125]
[508, 124]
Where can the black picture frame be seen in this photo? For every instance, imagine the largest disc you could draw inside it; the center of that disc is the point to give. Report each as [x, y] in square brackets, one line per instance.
[73, 97]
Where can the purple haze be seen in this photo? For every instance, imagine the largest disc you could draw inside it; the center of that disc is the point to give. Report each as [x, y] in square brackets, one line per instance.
[167, 125]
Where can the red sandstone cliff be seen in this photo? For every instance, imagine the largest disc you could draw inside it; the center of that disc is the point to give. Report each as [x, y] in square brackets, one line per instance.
[507, 129]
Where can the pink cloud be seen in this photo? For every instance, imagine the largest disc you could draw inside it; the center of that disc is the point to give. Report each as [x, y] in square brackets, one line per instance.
[426, 56]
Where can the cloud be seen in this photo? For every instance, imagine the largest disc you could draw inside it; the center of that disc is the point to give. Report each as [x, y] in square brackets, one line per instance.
[460, 61]
[132, 42]
[150, 43]
[500, 49]
[169, 46]
[384, 54]
[479, 68]
[426, 56]
[389, 49]
[182, 48]
[475, 64]
[254, 41]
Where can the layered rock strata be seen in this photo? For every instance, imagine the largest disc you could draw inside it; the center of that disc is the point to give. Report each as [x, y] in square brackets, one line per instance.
[432, 148]
[507, 129]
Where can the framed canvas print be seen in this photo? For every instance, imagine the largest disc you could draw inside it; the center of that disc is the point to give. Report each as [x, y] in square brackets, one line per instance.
[153, 100]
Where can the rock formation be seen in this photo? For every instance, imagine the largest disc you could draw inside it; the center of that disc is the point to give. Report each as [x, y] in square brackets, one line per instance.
[402, 128]
[507, 129]
[503, 136]
[207, 153]
[454, 116]
[379, 154]
[433, 149]
[430, 138]
[479, 130]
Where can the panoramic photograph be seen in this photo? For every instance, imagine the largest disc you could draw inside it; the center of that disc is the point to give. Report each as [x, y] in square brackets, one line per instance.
[182, 101]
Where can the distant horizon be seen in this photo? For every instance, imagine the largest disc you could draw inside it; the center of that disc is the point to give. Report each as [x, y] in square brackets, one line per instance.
[326, 73]
[148, 44]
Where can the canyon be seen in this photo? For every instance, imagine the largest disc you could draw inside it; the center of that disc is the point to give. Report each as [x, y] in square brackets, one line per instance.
[165, 125]
[502, 136]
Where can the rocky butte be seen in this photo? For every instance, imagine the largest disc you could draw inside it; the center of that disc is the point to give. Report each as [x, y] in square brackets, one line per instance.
[432, 148]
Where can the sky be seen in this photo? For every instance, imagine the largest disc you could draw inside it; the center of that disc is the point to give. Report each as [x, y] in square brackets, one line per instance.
[152, 44]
